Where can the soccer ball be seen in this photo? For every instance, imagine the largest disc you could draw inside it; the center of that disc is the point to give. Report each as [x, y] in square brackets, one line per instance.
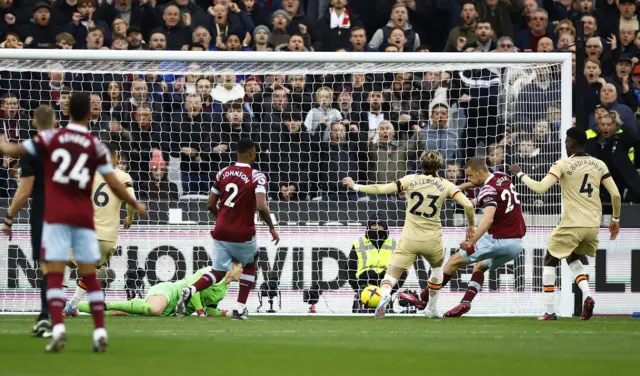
[370, 296]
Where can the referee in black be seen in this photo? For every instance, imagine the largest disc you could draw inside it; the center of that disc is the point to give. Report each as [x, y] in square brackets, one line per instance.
[31, 184]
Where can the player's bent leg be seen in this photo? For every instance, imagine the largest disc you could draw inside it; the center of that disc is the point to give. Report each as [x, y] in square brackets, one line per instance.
[157, 304]
[390, 279]
[582, 280]
[434, 286]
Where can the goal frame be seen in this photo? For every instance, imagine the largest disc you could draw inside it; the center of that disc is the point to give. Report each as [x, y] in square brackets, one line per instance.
[565, 298]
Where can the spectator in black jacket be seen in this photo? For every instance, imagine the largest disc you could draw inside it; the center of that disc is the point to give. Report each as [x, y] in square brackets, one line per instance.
[226, 134]
[156, 186]
[147, 136]
[337, 163]
[41, 32]
[593, 75]
[137, 13]
[82, 23]
[178, 35]
[191, 132]
[500, 14]
[622, 81]
[192, 15]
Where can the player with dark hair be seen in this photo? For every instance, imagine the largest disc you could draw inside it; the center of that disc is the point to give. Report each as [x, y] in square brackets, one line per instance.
[71, 156]
[422, 232]
[31, 184]
[241, 190]
[580, 176]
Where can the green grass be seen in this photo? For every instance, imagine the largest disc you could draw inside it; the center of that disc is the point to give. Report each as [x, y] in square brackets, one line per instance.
[329, 346]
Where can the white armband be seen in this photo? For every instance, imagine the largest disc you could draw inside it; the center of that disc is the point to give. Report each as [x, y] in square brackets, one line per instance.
[520, 175]
[614, 219]
[356, 187]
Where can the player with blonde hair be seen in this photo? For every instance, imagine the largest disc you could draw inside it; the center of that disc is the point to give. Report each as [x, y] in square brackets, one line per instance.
[580, 176]
[422, 232]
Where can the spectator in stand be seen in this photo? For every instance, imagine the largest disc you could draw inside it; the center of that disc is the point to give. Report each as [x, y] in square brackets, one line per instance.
[119, 28]
[299, 94]
[505, 44]
[147, 137]
[99, 122]
[483, 37]
[65, 41]
[202, 35]
[228, 18]
[190, 138]
[12, 40]
[134, 38]
[95, 39]
[530, 155]
[157, 187]
[610, 141]
[298, 22]
[332, 30]
[403, 98]
[626, 45]
[565, 27]
[536, 97]
[296, 43]
[399, 18]
[609, 100]
[319, 118]
[292, 164]
[387, 157]
[337, 163]
[226, 90]
[453, 172]
[261, 39]
[396, 39]
[589, 25]
[613, 18]
[349, 109]
[82, 24]
[595, 50]
[41, 32]
[158, 41]
[15, 123]
[226, 134]
[623, 83]
[499, 14]
[257, 12]
[139, 95]
[465, 33]
[547, 141]
[62, 105]
[495, 157]
[192, 15]
[545, 45]
[279, 34]
[593, 75]
[203, 89]
[565, 41]
[358, 40]
[375, 111]
[437, 134]
[522, 22]
[119, 43]
[233, 43]
[177, 34]
[141, 14]
[567, 9]
[112, 102]
[635, 77]
[527, 40]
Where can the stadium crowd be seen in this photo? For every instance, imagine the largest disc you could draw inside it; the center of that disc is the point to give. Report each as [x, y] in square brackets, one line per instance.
[312, 129]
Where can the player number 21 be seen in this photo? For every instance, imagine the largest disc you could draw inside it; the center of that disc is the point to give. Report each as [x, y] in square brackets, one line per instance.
[78, 173]
[233, 188]
[507, 196]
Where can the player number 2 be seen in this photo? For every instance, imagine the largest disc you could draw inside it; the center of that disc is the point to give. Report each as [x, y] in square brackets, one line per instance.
[508, 195]
[586, 186]
[233, 188]
[432, 204]
[78, 173]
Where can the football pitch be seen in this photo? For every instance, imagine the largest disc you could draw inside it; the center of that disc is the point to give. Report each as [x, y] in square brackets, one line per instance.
[329, 346]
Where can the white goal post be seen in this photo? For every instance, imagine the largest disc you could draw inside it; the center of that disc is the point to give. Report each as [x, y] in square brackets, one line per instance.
[483, 93]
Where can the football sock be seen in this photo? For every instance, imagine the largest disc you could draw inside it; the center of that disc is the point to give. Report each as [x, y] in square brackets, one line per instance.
[208, 279]
[387, 285]
[95, 298]
[247, 279]
[435, 284]
[55, 297]
[475, 285]
[548, 283]
[44, 306]
[577, 269]
[78, 294]
[424, 295]
[65, 277]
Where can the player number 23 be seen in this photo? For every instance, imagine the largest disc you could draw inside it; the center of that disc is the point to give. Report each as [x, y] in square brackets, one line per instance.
[78, 173]
[507, 196]
[432, 205]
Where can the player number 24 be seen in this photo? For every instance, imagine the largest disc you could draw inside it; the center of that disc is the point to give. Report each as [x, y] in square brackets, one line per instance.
[432, 204]
[78, 173]
[507, 195]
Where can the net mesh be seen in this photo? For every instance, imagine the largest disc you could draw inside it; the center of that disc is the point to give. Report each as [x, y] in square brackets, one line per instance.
[176, 124]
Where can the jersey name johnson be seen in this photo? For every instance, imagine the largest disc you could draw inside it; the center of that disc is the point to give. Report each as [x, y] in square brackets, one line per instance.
[71, 157]
[236, 187]
[508, 221]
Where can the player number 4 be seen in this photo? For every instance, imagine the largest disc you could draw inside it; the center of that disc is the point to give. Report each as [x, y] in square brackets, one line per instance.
[233, 188]
[78, 173]
[507, 196]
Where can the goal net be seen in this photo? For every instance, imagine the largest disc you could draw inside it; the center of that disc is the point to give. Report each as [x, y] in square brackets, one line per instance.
[316, 118]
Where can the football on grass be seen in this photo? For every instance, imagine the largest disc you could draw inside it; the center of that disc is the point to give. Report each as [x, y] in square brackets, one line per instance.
[370, 296]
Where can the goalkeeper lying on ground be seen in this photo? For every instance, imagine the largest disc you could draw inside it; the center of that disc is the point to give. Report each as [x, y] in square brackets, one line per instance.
[162, 298]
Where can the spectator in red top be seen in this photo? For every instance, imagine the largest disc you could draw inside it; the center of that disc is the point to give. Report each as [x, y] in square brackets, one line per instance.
[527, 40]
[332, 30]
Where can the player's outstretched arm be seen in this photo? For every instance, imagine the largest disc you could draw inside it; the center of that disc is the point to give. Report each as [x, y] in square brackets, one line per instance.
[469, 211]
[538, 187]
[120, 192]
[131, 210]
[373, 189]
[263, 208]
[616, 204]
[483, 227]
[14, 150]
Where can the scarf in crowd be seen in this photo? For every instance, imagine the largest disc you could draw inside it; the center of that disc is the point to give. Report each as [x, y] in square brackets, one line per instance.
[342, 21]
